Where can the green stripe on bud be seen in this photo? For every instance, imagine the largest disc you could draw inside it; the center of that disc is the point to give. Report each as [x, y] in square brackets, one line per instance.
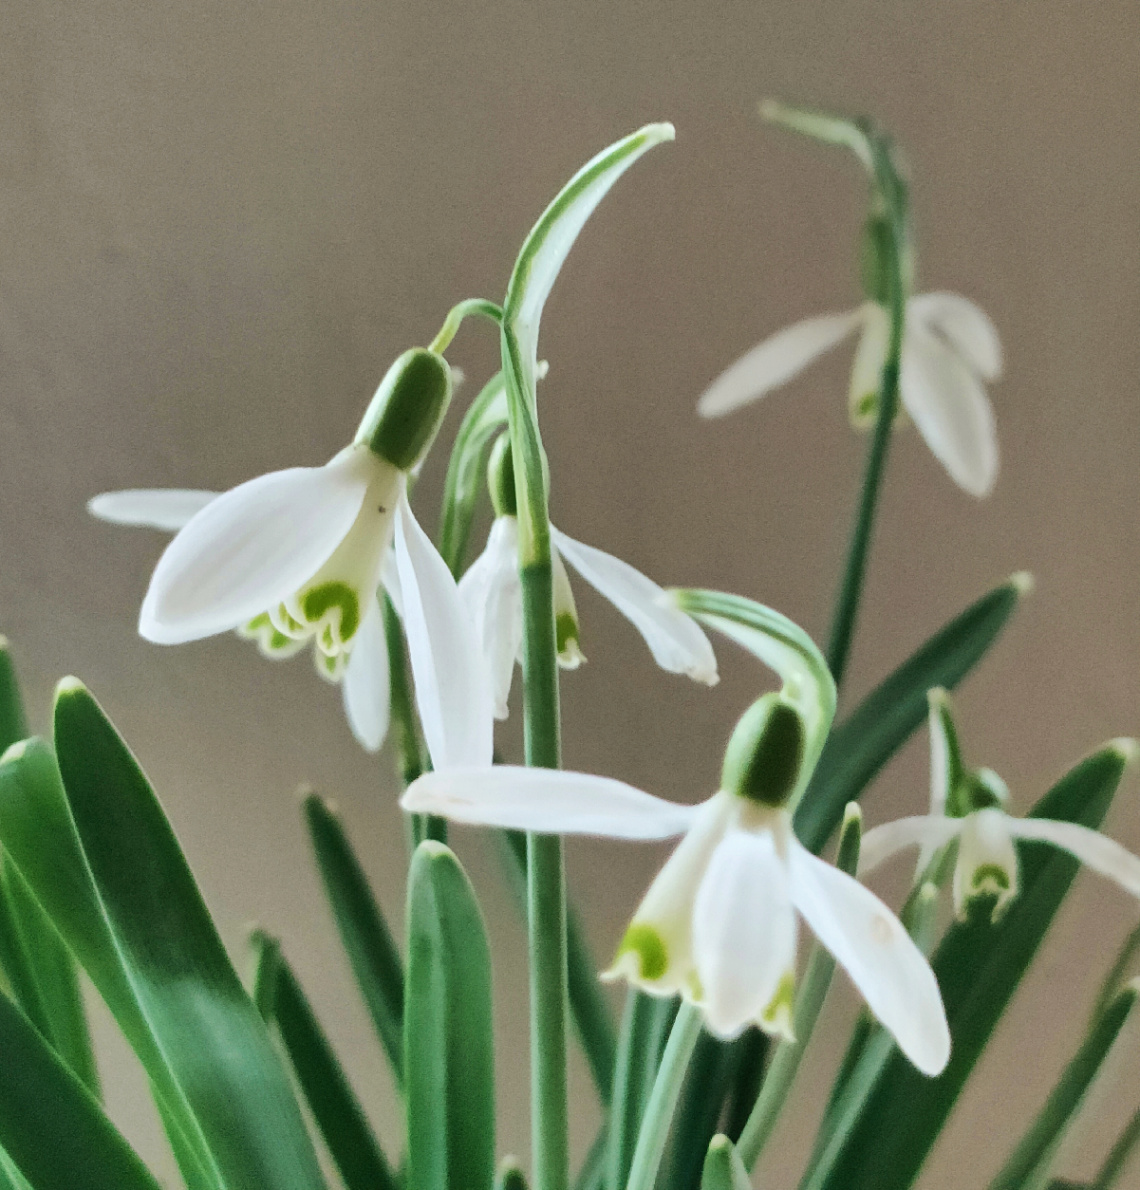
[501, 478]
[765, 754]
[407, 409]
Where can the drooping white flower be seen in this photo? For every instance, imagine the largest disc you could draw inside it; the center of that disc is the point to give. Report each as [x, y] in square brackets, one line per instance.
[950, 350]
[719, 923]
[969, 808]
[301, 556]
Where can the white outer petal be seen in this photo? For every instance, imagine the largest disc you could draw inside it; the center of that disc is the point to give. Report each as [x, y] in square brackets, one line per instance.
[253, 547]
[675, 639]
[744, 930]
[965, 325]
[775, 361]
[928, 831]
[951, 410]
[390, 580]
[546, 801]
[1104, 855]
[869, 942]
[453, 689]
[492, 594]
[167, 509]
[365, 684]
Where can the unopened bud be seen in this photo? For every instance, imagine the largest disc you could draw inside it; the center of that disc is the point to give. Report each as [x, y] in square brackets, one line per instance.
[765, 755]
[408, 407]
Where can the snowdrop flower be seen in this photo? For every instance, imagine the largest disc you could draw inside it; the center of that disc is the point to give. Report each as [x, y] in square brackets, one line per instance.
[969, 808]
[300, 556]
[492, 593]
[950, 349]
[719, 923]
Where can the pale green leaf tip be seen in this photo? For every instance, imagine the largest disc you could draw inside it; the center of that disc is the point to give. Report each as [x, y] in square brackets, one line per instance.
[720, 1144]
[1126, 748]
[433, 849]
[1022, 582]
[69, 685]
[5, 643]
[852, 813]
[938, 696]
[928, 893]
[14, 751]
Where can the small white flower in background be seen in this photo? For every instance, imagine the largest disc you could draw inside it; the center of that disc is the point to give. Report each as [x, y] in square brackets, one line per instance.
[969, 807]
[950, 350]
[492, 593]
[303, 555]
[719, 923]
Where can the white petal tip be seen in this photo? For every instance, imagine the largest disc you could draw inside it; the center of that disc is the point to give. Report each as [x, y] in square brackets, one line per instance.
[1127, 748]
[1023, 582]
[663, 131]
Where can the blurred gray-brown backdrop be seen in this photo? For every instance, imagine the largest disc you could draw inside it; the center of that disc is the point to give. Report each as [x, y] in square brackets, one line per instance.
[221, 221]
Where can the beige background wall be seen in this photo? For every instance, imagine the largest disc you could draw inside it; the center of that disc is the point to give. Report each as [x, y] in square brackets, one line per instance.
[220, 222]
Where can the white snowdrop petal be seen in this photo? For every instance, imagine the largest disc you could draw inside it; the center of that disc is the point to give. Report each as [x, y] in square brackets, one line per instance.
[453, 689]
[390, 581]
[492, 594]
[951, 410]
[744, 930]
[675, 639]
[869, 942]
[1104, 855]
[365, 683]
[167, 509]
[965, 326]
[546, 801]
[775, 361]
[252, 547]
[927, 831]
[987, 860]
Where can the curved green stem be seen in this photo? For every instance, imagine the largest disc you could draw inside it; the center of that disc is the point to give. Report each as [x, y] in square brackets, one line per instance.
[1118, 1156]
[663, 1099]
[455, 317]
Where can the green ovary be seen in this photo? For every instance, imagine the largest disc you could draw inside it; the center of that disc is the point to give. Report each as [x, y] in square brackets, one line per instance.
[318, 602]
[644, 941]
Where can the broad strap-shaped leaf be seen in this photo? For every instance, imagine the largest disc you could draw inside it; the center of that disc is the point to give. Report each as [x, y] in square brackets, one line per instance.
[487, 414]
[889, 1116]
[216, 1050]
[335, 1107]
[367, 941]
[39, 967]
[448, 1030]
[1028, 1165]
[859, 746]
[51, 1127]
[723, 1169]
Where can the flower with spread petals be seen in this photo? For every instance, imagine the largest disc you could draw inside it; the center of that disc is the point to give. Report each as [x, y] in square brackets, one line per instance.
[492, 593]
[950, 351]
[300, 556]
[968, 807]
[719, 923]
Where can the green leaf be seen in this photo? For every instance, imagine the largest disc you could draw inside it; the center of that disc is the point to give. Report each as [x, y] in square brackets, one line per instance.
[448, 1029]
[371, 951]
[39, 967]
[1028, 1165]
[859, 746]
[343, 1124]
[588, 1006]
[488, 412]
[723, 1169]
[1118, 1157]
[889, 1115]
[51, 1127]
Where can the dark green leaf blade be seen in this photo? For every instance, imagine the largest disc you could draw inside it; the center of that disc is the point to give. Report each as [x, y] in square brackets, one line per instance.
[51, 1126]
[859, 747]
[448, 1029]
[881, 1136]
[215, 1043]
[1028, 1165]
[335, 1107]
[368, 942]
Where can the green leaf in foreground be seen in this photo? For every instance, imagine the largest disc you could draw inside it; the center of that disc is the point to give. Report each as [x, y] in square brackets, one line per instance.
[883, 1127]
[723, 1169]
[1028, 1165]
[343, 1124]
[51, 1126]
[367, 941]
[448, 1029]
[859, 746]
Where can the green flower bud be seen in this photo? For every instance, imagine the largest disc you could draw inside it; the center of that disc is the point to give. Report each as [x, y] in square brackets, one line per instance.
[408, 407]
[501, 477]
[983, 789]
[765, 754]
